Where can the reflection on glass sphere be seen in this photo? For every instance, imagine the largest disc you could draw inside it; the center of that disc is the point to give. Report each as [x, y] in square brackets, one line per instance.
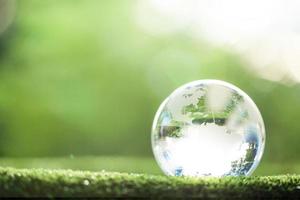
[208, 128]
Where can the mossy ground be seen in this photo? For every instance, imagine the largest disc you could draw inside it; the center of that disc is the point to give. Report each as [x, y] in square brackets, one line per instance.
[130, 177]
[69, 183]
[142, 165]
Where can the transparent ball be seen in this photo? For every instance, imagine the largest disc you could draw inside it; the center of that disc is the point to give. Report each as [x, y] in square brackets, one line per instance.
[208, 128]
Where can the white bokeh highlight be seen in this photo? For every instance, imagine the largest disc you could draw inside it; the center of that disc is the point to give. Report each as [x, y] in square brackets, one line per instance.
[265, 33]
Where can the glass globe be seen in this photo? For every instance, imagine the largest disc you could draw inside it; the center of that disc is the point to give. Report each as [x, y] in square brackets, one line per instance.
[208, 128]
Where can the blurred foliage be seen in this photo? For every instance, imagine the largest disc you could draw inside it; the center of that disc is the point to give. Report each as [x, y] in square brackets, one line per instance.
[81, 77]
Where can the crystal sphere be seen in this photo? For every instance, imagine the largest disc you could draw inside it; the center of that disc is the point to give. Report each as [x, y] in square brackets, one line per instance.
[208, 128]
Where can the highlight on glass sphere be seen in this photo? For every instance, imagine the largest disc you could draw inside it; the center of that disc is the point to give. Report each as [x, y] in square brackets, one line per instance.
[208, 128]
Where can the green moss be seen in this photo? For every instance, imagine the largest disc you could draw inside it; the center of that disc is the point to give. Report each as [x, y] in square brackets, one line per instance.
[68, 183]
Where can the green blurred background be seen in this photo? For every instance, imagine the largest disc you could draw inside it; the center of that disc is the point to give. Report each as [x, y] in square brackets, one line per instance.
[81, 79]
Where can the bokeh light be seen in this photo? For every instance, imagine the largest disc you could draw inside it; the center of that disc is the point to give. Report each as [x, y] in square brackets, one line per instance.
[264, 33]
[7, 13]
